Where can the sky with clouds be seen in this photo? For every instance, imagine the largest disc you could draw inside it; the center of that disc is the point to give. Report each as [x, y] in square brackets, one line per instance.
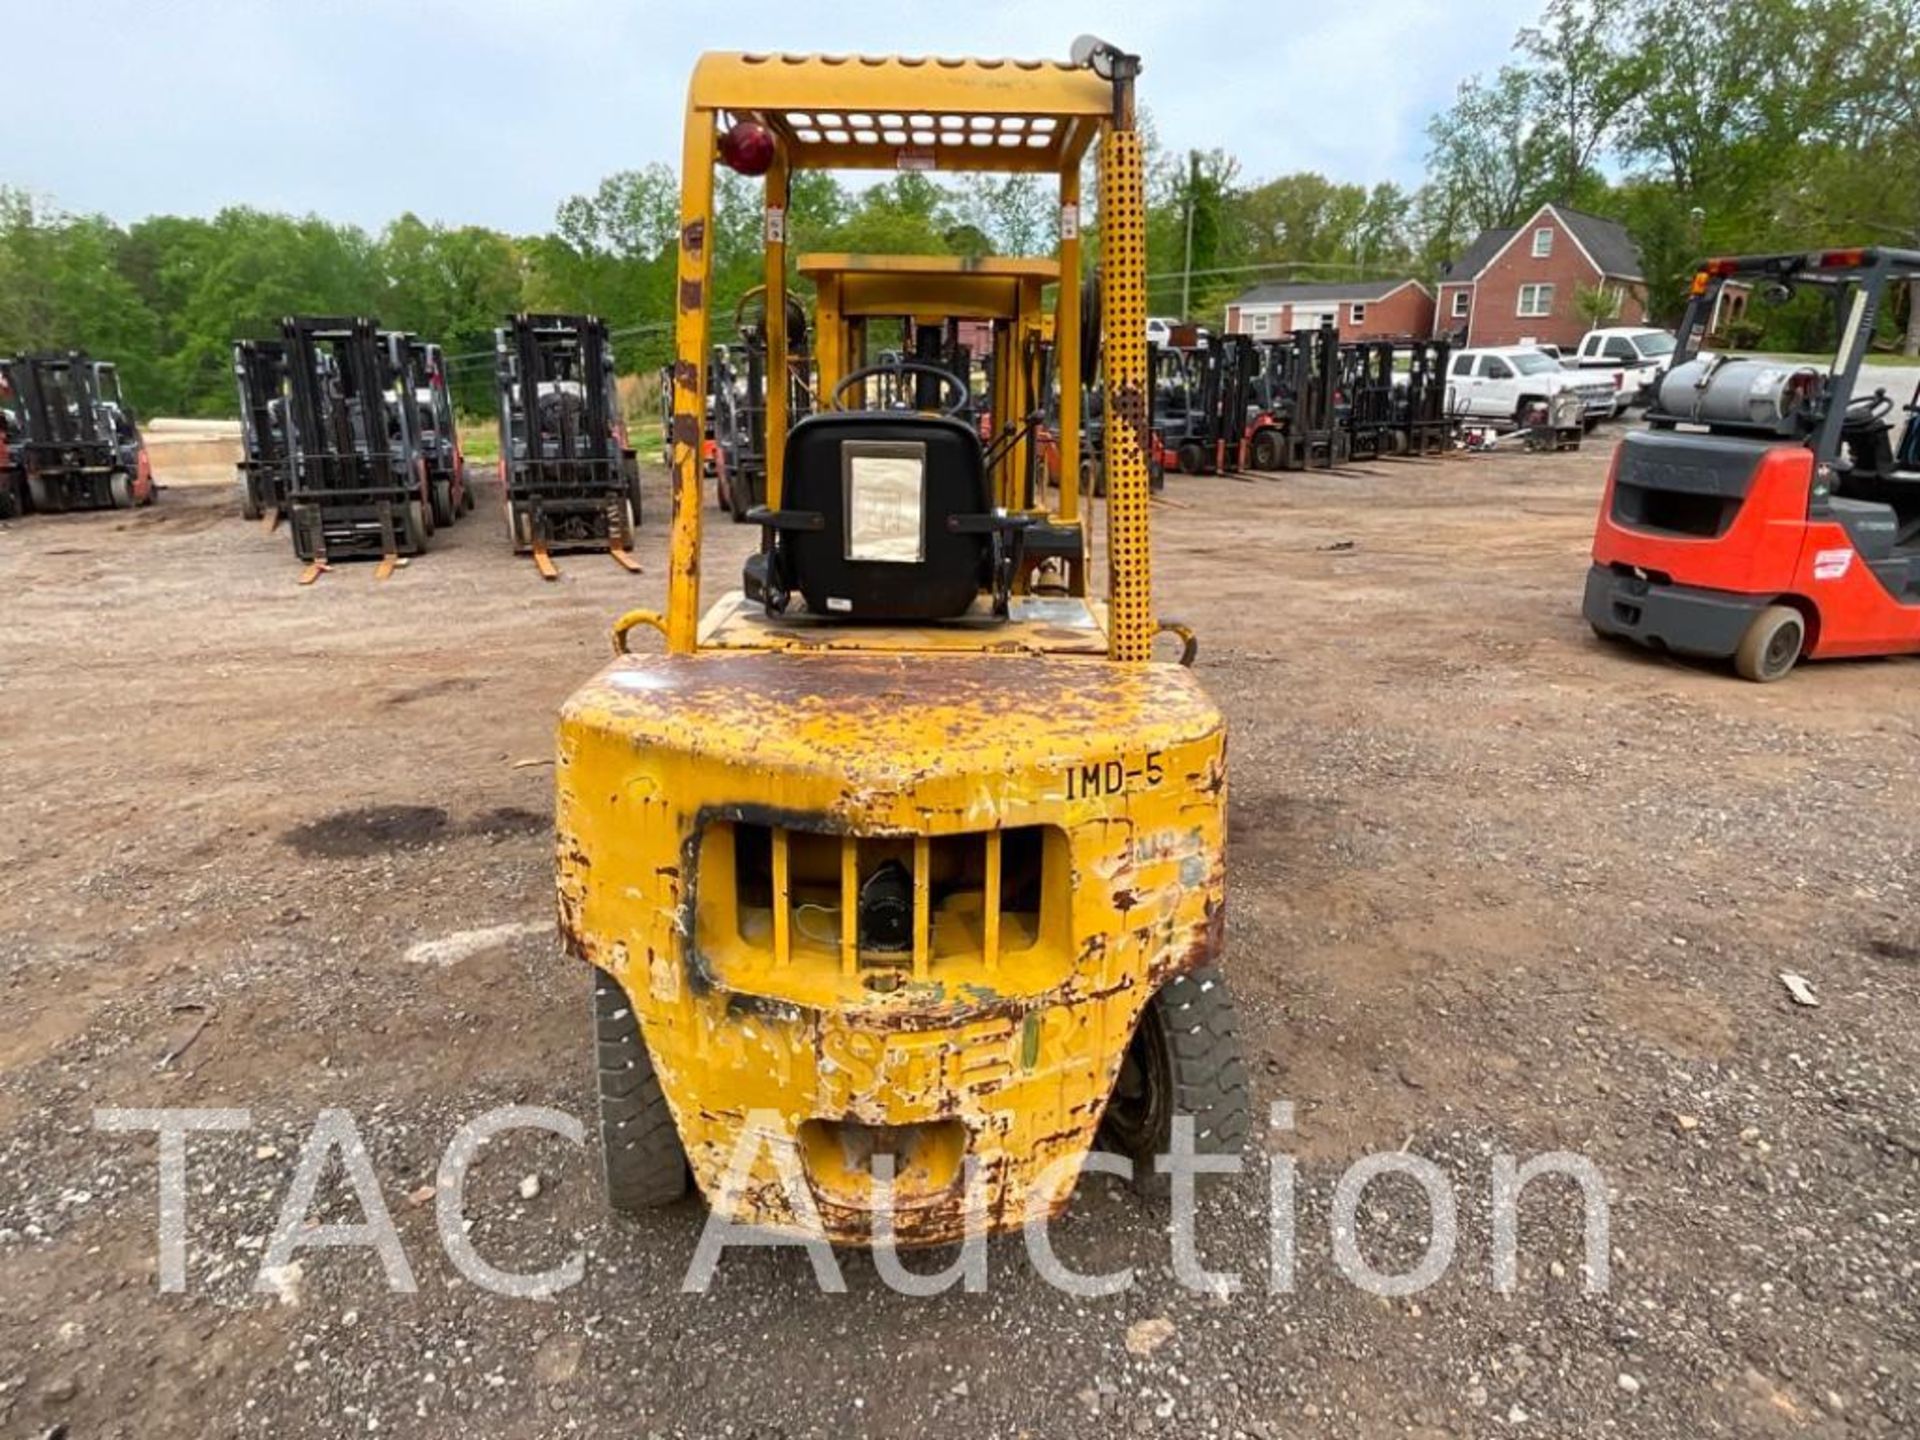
[492, 112]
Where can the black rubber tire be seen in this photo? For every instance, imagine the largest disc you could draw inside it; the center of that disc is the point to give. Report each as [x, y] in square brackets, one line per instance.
[1266, 450]
[443, 511]
[1772, 645]
[466, 497]
[739, 499]
[1184, 1059]
[39, 495]
[419, 525]
[642, 1162]
[1190, 457]
[120, 490]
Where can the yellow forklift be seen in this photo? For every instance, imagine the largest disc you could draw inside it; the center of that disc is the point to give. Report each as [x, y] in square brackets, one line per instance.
[900, 872]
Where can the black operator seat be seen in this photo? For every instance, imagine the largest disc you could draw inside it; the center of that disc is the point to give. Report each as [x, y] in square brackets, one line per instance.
[885, 517]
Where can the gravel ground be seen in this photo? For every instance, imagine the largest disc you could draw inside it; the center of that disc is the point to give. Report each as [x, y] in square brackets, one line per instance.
[1495, 889]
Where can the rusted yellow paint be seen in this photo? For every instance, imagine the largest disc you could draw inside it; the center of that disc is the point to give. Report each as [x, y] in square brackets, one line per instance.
[659, 751]
[1049, 799]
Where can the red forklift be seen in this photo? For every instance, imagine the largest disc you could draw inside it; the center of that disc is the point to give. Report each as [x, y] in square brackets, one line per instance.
[79, 446]
[1767, 514]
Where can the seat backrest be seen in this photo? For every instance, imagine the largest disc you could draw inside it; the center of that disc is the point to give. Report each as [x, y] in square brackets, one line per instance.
[884, 487]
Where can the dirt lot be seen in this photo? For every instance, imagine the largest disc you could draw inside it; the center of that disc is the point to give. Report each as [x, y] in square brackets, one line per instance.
[1494, 888]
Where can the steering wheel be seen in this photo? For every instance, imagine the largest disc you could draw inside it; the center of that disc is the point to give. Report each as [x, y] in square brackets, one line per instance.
[899, 369]
[756, 328]
[1869, 407]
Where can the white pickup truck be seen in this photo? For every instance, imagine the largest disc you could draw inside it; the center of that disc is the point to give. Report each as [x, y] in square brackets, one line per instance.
[1640, 351]
[1500, 383]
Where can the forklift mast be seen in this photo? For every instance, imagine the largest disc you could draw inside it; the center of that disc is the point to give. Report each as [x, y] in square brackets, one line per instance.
[337, 399]
[59, 401]
[555, 350]
[259, 371]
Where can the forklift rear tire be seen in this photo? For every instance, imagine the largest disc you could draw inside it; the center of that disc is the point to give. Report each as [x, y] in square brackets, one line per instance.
[1266, 450]
[1192, 459]
[642, 1161]
[1184, 1059]
[1772, 644]
[443, 511]
[466, 498]
[39, 494]
[120, 490]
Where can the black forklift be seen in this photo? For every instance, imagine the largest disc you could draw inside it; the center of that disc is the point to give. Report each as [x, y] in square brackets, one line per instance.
[78, 446]
[266, 459]
[738, 397]
[1299, 425]
[439, 433]
[358, 485]
[1368, 401]
[572, 481]
[13, 485]
[1204, 404]
[1420, 409]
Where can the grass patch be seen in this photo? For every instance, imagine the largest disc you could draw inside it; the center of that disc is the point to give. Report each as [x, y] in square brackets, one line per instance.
[480, 439]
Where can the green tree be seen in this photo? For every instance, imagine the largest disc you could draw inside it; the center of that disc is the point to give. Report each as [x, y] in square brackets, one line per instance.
[1490, 150]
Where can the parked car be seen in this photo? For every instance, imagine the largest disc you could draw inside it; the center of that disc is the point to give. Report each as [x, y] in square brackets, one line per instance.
[1623, 394]
[1161, 330]
[1499, 383]
[1640, 351]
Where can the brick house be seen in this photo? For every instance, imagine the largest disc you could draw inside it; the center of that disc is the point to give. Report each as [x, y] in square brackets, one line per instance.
[1522, 286]
[1359, 309]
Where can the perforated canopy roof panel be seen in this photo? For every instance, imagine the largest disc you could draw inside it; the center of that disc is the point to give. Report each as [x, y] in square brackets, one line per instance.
[862, 112]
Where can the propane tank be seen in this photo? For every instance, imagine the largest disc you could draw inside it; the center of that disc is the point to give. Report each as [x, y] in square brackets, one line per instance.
[1740, 392]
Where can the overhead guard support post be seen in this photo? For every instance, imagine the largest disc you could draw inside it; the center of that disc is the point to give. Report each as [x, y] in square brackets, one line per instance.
[779, 375]
[1123, 255]
[695, 277]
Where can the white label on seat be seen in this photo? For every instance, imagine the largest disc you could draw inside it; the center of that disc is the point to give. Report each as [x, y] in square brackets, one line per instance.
[883, 509]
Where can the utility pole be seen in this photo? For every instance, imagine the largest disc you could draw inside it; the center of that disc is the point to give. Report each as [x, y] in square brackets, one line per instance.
[1186, 268]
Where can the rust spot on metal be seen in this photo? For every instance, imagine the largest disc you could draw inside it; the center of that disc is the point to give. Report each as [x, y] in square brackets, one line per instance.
[1131, 406]
[686, 374]
[693, 238]
[691, 292]
[686, 430]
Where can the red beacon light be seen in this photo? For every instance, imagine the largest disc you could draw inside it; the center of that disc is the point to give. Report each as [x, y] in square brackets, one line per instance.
[1842, 259]
[747, 147]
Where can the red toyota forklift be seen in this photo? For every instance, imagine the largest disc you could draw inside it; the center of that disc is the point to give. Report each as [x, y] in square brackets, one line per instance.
[1767, 514]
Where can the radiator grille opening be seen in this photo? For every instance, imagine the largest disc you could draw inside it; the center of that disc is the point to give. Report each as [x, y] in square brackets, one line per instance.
[1676, 512]
[905, 906]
